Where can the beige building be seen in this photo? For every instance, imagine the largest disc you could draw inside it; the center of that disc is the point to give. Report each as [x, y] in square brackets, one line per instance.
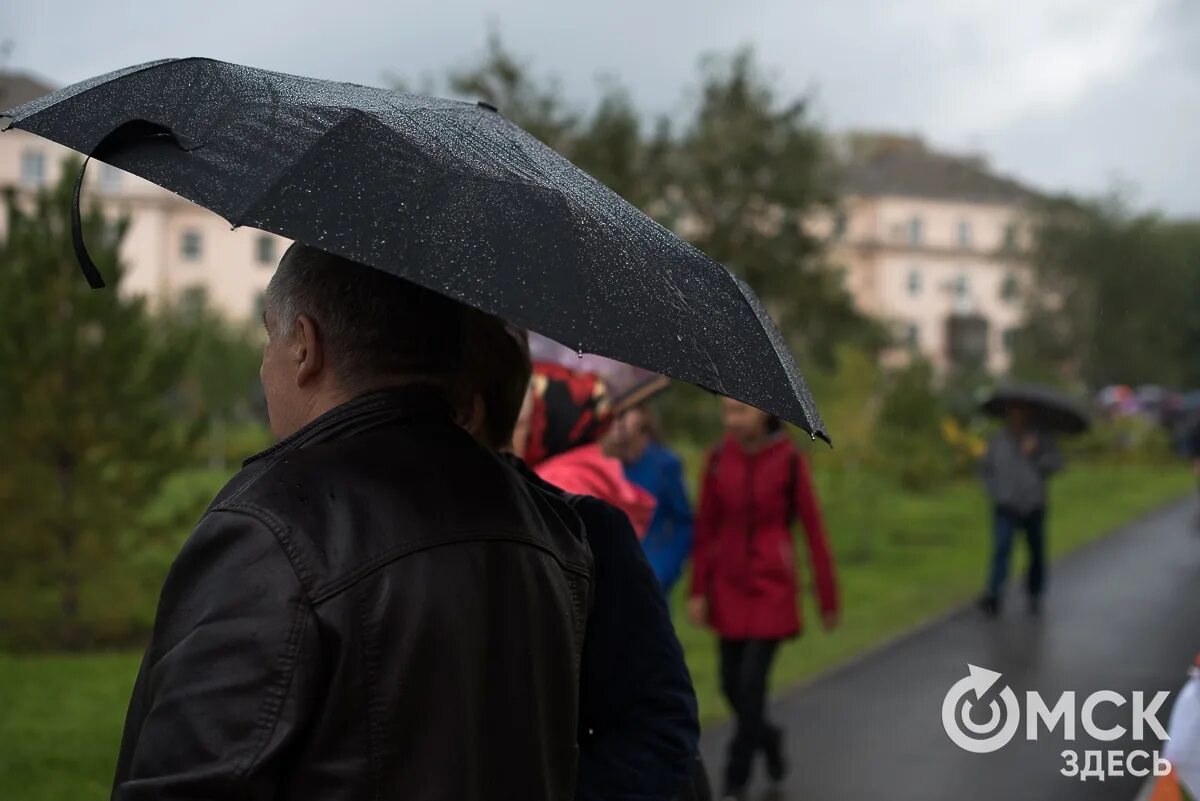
[930, 242]
[933, 244]
[173, 248]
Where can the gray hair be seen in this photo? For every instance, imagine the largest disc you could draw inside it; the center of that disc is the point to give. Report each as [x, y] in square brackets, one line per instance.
[374, 326]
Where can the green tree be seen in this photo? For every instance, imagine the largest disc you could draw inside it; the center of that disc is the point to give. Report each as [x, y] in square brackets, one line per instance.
[84, 416]
[608, 141]
[910, 444]
[740, 176]
[749, 171]
[1118, 297]
[219, 384]
[501, 78]
[850, 398]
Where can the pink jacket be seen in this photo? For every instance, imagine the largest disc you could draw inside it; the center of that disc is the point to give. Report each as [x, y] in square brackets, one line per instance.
[587, 471]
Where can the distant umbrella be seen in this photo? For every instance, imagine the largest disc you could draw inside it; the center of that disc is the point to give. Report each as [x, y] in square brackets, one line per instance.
[1050, 409]
[449, 195]
[625, 386]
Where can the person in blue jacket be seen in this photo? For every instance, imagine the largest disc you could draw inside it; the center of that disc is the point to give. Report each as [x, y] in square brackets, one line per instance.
[654, 467]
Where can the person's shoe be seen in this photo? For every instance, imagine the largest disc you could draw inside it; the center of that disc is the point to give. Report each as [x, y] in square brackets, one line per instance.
[989, 606]
[735, 794]
[776, 764]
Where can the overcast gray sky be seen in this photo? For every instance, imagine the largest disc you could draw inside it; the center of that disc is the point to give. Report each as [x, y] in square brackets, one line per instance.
[1065, 94]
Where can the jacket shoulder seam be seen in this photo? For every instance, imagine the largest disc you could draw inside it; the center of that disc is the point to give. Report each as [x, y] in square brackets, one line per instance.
[352, 577]
[273, 700]
[281, 532]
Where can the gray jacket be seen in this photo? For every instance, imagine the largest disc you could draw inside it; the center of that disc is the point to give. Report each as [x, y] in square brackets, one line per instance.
[1014, 481]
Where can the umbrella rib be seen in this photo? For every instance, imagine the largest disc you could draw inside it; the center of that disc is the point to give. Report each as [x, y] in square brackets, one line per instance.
[700, 346]
[503, 156]
[147, 67]
[793, 376]
[350, 114]
[513, 181]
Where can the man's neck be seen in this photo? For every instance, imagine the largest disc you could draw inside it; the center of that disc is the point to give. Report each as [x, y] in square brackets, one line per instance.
[323, 402]
[329, 399]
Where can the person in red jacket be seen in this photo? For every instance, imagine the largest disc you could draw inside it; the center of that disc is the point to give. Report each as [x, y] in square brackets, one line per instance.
[565, 417]
[744, 576]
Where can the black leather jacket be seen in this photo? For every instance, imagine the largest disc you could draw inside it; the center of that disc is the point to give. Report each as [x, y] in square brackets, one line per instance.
[375, 608]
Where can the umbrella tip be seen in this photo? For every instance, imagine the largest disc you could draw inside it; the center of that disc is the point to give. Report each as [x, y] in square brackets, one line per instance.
[487, 105]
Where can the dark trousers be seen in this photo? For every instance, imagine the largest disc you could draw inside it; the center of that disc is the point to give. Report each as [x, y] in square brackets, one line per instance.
[744, 668]
[697, 787]
[1004, 530]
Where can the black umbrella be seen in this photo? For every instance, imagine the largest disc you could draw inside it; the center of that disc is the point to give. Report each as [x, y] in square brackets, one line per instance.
[447, 194]
[1049, 408]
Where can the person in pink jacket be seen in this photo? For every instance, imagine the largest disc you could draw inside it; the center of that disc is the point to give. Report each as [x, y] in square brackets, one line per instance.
[566, 414]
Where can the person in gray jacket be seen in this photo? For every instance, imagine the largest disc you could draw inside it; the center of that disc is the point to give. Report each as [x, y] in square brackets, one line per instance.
[1018, 462]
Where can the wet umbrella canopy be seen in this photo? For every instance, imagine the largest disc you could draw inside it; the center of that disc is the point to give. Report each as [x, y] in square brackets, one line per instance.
[447, 194]
[1049, 408]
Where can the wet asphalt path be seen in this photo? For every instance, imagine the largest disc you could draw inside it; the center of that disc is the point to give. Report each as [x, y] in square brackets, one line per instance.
[1122, 614]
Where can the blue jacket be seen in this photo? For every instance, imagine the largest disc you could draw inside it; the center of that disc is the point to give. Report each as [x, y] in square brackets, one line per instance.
[668, 541]
[639, 723]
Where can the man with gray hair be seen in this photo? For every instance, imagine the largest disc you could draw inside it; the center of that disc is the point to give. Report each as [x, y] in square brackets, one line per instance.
[376, 606]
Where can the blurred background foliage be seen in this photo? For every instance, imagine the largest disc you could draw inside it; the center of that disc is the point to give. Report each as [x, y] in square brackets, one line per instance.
[121, 422]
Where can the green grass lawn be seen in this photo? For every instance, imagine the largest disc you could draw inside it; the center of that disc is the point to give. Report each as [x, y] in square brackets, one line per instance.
[60, 724]
[902, 559]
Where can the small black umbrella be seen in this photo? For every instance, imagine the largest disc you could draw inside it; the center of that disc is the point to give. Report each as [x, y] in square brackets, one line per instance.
[1050, 409]
[447, 194]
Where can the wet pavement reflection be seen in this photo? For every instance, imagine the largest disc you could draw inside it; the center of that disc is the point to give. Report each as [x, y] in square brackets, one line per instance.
[1123, 614]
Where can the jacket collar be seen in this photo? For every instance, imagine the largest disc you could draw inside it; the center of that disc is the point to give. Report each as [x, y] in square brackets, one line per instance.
[363, 413]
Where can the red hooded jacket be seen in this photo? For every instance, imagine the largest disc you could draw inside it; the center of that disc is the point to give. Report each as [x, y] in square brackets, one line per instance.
[587, 471]
[744, 560]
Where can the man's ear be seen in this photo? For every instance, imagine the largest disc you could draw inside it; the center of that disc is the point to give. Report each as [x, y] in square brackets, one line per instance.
[474, 419]
[308, 350]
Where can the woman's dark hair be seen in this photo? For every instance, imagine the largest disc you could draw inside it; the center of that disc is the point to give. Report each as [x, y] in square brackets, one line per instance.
[774, 424]
[496, 369]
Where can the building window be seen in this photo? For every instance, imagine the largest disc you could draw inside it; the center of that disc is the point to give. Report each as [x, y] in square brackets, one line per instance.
[961, 287]
[191, 247]
[914, 282]
[192, 302]
[1010, 288]
[1010, 236]
[967, 340]
[33, 168]
[964, 234]
[912, 336]
[113, 230]
[839, 225]
[264, 249]
[915, 230]
[1008, 338]
[110, 178]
